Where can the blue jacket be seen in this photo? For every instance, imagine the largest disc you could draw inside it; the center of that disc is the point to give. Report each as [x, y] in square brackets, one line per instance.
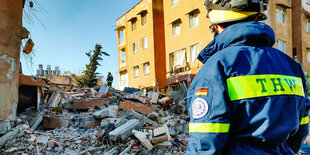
[248, 98]
[110, 78]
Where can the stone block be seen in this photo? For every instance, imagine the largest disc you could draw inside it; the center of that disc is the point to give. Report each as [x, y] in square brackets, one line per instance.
[111, 111]
[125, 130]
[55, 122]
[128, 105]
[143, 137]
[84, 105]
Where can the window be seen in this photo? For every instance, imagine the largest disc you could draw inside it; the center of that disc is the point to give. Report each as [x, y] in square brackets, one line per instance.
[174, 2]
[134, 48]
[133, 25]
[176, 27]
[308, 26]
[136, 71]
[146, 68]
[308, 1]
[194, 52]
[121, 37]
[144, 43]
[282, 45]
[124, 80]
[308, 53]
[193, 19]
[280, 14]
[143, 18]
[178, 58]
[123, 58]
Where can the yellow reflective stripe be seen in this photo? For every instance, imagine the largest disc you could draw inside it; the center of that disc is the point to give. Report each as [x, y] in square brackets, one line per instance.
[209, 127]
[304, 120]
[217, 16]
[243, 87]
[201, 93]
[110, 75]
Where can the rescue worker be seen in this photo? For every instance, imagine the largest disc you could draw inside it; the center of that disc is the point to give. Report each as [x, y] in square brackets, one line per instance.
[248, 98]
[110, 79]
[94, 80]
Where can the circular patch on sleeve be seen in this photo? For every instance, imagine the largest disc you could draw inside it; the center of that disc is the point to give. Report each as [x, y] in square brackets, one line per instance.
[200, 108]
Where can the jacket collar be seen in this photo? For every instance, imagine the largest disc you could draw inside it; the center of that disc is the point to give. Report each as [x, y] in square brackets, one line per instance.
[246, 34]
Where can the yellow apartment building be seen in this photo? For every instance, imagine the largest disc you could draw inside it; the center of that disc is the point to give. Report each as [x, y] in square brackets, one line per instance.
[141, 46]
[187, 33]
[178, 30]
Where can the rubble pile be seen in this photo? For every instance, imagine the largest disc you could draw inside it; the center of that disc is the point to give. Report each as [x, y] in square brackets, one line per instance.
[100, 121]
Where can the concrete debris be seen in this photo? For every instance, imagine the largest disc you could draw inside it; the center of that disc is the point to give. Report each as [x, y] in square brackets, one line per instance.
[42, 139]
[143, 118]
[128, 105]
[55, 99]
[5, 127]
[10, 135]
[36, 121]
[85, 105]
[97, 120]
[143, 137]
[155, 96]
[138, 98]
[113, 151]
[124, 131]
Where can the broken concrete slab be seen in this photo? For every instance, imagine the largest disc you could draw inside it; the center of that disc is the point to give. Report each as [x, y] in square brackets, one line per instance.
[143, 118]
[5, 127]
[180, 94]
[10, 135]
[111, 111]
[143, 137]
[103, 113]
[136, 97]
[54, 122]
[161, 130]
[42, 139]
[164, 144]
[128, 105]
[84, 105]
[54, 99]
[36, 121]
[116, 121]
[125, 130]
[155, 96]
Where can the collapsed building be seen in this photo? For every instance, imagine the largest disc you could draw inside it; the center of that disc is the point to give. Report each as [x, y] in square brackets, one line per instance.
[99, 120]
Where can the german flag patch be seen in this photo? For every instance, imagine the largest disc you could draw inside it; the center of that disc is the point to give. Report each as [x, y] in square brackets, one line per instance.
[202, 91]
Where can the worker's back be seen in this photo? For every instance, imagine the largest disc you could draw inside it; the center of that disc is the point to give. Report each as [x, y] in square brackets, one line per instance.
[255, 100]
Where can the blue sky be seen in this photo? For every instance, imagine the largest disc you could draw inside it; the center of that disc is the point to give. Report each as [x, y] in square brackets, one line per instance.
[73, 27]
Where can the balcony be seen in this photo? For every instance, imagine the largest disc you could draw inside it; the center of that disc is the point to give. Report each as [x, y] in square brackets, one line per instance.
[121, 41]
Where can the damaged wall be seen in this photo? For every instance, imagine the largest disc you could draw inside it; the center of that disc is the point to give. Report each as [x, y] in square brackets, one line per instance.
[10, 40]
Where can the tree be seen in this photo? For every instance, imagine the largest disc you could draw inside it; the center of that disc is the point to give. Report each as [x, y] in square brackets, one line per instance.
[95, 57]
[308, 83]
